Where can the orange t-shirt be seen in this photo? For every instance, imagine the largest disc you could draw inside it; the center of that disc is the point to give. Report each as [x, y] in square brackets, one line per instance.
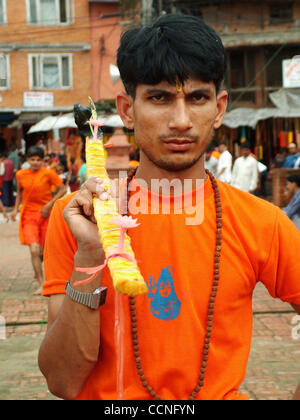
[36, 187]
[259, 244]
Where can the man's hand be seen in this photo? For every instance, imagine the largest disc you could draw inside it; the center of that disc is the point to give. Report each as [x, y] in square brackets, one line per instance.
[46, 211]
[13, 215]
[79, 215]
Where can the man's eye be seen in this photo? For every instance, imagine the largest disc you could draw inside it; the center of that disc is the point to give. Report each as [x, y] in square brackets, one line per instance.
[157, 98]
[199, 97]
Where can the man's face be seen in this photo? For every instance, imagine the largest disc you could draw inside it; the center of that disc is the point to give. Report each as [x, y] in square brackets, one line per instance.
[222, 148]
[290, 188]
[173, 127]
[35, 163]
[245, 152]
[292, 150]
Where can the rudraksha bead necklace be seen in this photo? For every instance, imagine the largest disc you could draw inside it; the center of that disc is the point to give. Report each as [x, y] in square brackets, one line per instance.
[211, 303]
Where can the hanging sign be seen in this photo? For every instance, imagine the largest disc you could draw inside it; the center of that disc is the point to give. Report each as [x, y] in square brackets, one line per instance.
[291, 72]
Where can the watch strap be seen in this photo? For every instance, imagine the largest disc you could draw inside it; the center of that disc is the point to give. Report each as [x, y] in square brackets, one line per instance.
[91, 300]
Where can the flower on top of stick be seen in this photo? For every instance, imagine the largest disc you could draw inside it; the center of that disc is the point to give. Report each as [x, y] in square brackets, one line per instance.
[125, 222]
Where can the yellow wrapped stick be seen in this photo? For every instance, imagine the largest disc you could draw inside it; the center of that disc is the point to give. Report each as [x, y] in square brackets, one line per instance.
[125, 273]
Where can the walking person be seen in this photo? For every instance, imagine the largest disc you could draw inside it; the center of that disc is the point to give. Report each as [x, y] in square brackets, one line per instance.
[34, 193]
[7, 180]
[224, 163]
[292, 210]
[245, 170]
[189, 336]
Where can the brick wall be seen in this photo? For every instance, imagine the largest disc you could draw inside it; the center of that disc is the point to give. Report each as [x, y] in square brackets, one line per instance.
[17, 31]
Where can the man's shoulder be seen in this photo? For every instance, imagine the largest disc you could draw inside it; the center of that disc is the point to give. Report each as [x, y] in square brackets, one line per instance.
[61, 203]
[245, 203]
[22, 172]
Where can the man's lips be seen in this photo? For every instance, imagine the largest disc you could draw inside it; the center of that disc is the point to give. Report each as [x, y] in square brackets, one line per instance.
[180, 145]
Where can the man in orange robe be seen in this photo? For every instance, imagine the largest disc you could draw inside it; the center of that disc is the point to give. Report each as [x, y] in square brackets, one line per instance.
[34, 192]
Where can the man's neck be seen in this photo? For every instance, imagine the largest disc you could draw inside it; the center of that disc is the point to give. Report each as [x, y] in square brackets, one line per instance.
[148, 172]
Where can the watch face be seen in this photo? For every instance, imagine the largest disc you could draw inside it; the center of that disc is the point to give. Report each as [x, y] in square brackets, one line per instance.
[101, 295]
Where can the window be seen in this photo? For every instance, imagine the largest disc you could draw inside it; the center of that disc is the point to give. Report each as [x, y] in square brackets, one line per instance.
[2, 12]
[53, 71]
[281, 13]
[48, 12]
[4, 72]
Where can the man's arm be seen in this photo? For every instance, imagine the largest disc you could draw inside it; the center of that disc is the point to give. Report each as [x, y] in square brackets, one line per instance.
[60, 192]
[17, 203]
[70, 349]
[293, 207]
[254, 177]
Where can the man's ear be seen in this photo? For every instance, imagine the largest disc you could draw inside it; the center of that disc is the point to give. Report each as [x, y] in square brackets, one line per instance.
[124, 104]
[222, 99]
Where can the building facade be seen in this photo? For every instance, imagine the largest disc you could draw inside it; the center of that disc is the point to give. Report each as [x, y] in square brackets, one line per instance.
[45, 60]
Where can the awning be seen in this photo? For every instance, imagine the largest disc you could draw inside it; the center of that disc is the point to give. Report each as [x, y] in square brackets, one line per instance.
[7, 118]
[51, 123]
[287, 102]
[250, 117]
[67, 120]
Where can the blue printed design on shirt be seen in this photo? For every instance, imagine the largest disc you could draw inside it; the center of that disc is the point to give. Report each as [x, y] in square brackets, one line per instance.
[164, 303]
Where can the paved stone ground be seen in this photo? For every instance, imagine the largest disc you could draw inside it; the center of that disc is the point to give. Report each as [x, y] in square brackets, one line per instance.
[273, 370]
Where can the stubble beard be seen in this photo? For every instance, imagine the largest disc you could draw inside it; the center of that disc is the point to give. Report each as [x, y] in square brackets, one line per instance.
[172, 166]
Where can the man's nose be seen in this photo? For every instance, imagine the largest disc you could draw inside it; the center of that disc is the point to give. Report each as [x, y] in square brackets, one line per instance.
[180, 118]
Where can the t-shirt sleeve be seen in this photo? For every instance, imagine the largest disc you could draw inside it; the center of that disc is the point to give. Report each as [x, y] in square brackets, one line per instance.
[60, 248]
[54, 178]
[281, 272]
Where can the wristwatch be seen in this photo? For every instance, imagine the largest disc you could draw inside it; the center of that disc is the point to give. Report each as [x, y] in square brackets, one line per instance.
[92, 300]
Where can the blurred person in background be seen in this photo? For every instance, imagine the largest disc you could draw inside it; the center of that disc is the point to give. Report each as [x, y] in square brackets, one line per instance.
[245, 170]
[34, 192]
[7, 173]
[292, 192]
[224, 163]
[211, 160]
[291, 159]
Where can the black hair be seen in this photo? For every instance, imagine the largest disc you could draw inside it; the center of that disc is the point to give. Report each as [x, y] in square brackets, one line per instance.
[294, 178]
[245, 145]
[35, 151]
[211, 147]
[174, 47]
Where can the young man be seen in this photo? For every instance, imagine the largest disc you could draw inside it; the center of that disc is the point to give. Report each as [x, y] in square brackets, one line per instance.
[293, 156]
[224, 163]
[34, 192]
[210, 160]
[7, 181]
[292, 210]
[189, 337]
[245, 170]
